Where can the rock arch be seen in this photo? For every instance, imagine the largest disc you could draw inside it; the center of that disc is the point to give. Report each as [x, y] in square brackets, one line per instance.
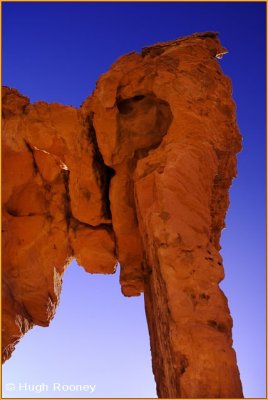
[139, 174]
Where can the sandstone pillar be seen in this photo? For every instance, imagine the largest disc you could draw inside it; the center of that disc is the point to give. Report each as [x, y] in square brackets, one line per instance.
[167, 117]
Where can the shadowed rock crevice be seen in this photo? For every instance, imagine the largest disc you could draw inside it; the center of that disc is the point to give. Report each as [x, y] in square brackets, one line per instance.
[66, 198]
[104, 173]
[139, 174]
[126, 106]
[29, 147]
[142, 122]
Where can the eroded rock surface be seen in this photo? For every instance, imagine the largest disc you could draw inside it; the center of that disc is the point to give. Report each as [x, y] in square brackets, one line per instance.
[53, 209]
[140, 175]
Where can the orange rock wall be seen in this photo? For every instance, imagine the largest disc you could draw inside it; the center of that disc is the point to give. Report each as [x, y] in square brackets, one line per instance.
[53, 209]
[139, 174]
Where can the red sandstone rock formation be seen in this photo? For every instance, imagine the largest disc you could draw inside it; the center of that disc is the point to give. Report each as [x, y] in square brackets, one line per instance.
[139, 174]
[55, 207]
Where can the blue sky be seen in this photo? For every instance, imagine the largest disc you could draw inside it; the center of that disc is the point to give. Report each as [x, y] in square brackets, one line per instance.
[55, 52]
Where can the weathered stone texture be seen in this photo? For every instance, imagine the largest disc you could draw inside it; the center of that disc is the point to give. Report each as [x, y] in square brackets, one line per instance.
[52, 209]
[139, 174]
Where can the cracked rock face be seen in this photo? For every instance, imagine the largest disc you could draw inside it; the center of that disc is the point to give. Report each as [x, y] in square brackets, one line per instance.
[140, 175]
[53, 209]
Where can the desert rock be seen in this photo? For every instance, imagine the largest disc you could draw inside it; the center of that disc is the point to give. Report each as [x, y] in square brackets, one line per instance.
[138, 175]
